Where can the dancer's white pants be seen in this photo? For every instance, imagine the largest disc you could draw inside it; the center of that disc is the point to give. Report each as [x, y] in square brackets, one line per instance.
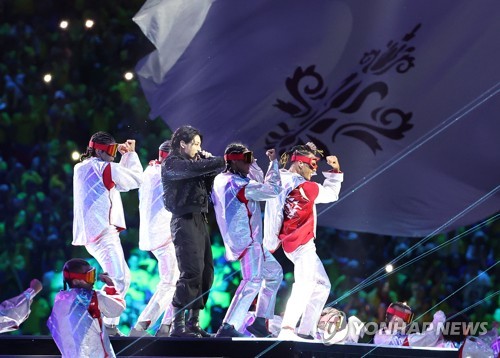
[309, 292]
[108, 252]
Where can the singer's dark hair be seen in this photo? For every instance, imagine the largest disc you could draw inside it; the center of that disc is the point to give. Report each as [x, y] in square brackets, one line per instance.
[184, 133]
[101, 138]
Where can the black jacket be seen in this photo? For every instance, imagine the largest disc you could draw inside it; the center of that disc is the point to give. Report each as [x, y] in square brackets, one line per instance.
[187, 183]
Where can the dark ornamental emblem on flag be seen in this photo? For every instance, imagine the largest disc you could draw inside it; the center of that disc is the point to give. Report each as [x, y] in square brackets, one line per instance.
[316, 110]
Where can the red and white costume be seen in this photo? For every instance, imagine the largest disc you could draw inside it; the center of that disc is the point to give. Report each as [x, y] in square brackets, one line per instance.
[98, 212]
[155, 236]
[476, 346]
[237, 208]
[290, 220]
[76, 322]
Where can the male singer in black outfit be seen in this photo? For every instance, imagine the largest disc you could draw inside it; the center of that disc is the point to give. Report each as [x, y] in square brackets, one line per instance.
[187, 177]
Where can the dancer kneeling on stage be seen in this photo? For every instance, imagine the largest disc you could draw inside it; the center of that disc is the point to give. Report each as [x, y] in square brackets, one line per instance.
[76, 322]
[401, 330]
[397, 318]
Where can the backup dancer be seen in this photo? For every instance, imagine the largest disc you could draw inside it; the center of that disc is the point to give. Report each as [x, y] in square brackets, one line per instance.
[98, 209]
[155, 236]
[236, 195]
[76, 322]
[290, 221]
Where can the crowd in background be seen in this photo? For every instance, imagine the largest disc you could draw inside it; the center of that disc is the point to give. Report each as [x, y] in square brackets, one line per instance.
[41, 124]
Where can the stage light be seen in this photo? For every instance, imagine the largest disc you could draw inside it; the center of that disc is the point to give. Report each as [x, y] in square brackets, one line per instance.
[89, 23]
[64, 24]
[75, 155]
[47, 78]
[128, 75]
[389, 268]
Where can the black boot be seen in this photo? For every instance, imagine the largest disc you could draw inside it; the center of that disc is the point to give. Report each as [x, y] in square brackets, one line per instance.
[179, 327]
[258, 328]
[193, 323]
[228, 331]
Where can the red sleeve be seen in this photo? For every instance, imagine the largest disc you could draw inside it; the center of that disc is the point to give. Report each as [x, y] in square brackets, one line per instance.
[106, 177]
[311, 190]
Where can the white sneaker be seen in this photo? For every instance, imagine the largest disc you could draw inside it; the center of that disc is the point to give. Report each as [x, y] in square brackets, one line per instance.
[289, 335]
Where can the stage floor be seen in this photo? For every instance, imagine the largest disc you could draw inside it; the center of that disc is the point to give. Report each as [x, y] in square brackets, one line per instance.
[44, 346]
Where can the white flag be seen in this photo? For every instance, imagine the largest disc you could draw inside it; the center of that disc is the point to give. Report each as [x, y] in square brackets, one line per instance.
[405, 93]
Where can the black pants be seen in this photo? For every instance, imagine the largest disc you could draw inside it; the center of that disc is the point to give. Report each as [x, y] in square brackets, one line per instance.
[194, 259]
